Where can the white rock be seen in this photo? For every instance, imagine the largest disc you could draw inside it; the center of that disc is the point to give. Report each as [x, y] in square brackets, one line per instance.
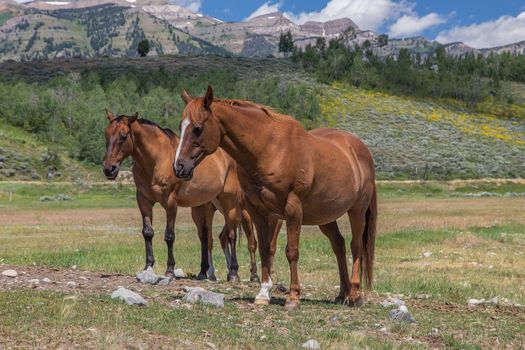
[179, 273]
[427, 254]
[391, 301]
[74, 267]
[10, 273]
[402, 314]
[46, 280]
[201, 295]
[128, 296]
[149, 276]
[476, 301]
[312, 344]
[71, 284]
[34, 281]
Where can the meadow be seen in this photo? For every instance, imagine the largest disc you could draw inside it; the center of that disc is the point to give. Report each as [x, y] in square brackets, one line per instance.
[439, 244]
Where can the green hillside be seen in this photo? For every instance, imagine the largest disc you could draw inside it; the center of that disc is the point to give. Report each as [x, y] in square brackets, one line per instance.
[23, 157]
[62, 103]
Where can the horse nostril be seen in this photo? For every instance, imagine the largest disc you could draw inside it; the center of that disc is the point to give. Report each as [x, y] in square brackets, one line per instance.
[113, 168]
[180, 167]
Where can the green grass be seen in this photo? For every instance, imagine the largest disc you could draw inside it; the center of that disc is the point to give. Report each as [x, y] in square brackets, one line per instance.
[471, 262]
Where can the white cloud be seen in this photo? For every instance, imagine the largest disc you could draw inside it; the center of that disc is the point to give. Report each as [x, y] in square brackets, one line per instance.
[412, 24]
[367, 14]
[502, 31]
[192, 5]
[267, 7]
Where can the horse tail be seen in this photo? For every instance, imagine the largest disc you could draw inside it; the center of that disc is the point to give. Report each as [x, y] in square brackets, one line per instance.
[369, 237]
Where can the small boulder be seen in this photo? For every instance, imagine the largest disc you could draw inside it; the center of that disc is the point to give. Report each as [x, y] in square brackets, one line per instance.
[391, 301]
[149, 276]
[474, 302]
[128, 296]
[46, 280]
[201, 295]
[71, 284]
[401, 314]
[178, 273]
[312, 344]
[10, 273]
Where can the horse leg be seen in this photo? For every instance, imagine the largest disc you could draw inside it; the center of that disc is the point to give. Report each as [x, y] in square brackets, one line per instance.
[293, 212]
[169, 235]
[358, 223]
[146, 210]
[337, 241]
[210, 212]
[275, 228]
[247, 226]
[232, 219]
[262, 226]
[198, 215]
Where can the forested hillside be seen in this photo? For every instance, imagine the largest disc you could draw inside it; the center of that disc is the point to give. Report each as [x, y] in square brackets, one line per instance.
[411, 135]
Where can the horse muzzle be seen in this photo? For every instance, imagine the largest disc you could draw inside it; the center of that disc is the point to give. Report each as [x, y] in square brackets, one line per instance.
[111, 172]
[184, 170]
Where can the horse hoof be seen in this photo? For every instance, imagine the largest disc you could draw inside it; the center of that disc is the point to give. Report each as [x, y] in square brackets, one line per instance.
[201, 277]
[233, 278]
[341, 299]
[357, 303]
[291, 305]
[170, 274]
[212, 278]
[255, 278]
[261, 301]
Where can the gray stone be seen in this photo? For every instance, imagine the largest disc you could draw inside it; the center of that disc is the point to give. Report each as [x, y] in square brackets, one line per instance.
[9, 273]
[391, 301]
[312, 344]
[149, 276]
[71, 284]
[46, 280]
[178, 273]
[201, 295]
[128, 296]
[402, 314]
[34, 281]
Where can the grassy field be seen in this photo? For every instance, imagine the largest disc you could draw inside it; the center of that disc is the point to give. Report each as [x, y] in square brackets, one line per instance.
[476, 245]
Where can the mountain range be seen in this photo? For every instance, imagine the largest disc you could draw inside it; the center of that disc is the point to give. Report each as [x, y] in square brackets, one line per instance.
[89, 28]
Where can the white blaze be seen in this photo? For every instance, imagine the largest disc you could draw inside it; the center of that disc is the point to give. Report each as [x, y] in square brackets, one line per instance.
[185, 123]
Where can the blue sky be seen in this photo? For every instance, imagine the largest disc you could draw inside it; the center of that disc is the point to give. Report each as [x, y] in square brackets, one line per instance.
[481, 23]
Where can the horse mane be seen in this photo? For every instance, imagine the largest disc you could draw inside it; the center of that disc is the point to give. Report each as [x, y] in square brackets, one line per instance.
[167, 131]
[143, 121]
[248, 104]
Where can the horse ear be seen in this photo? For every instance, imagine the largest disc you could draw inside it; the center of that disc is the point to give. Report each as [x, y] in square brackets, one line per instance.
[208, 98]
[185, 96]
[133, 118]
[109, 115]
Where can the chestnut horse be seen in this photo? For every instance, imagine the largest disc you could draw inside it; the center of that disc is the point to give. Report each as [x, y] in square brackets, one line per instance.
[215, 186]
[305, 178]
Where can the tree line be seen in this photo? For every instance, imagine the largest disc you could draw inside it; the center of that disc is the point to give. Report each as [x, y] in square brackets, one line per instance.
[468, 79]
[68, 111]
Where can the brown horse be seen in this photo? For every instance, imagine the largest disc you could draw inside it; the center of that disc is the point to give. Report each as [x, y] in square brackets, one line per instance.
[305, 178]
[215, 186]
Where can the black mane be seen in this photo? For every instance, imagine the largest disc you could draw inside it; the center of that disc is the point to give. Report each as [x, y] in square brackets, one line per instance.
[167, 131]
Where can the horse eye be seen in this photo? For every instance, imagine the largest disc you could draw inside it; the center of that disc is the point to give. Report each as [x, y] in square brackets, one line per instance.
[197, 131]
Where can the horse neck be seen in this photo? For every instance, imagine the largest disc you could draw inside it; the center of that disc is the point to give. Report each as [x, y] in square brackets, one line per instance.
[247, 135]
[150, 146]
